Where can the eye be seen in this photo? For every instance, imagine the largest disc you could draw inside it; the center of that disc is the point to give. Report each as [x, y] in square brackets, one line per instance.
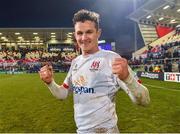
[89, 32]
[79, 33]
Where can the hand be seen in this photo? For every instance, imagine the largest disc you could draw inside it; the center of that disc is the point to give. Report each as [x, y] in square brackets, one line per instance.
[120, 68]
[46, 74]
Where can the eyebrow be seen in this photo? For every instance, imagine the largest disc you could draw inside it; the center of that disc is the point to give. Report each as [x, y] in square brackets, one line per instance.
[89, 30]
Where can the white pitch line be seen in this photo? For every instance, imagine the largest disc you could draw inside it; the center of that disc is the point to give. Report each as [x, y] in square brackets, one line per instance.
[161, 87]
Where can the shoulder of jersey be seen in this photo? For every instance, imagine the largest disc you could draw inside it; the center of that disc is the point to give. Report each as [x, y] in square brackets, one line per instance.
[75, 59]
[108, 52]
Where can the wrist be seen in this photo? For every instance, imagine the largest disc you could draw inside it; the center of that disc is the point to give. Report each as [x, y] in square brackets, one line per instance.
[129, 79]
[50, 82]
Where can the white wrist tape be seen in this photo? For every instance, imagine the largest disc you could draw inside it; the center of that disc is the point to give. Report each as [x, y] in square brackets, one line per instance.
[129, 79]
[137, 92]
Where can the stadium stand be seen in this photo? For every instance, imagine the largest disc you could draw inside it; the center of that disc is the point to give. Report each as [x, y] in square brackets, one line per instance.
[34, 59]
[158, 21]
[27, 49]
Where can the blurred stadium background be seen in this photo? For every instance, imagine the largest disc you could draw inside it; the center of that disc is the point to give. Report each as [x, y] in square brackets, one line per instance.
[27, 106]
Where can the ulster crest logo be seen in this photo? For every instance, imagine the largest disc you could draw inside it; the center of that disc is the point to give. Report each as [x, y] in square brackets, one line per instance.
[95, 66]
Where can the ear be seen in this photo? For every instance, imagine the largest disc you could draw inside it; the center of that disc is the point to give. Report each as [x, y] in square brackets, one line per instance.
[99, 33]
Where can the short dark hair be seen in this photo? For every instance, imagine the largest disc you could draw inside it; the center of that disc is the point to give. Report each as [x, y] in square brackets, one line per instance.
[84, 15]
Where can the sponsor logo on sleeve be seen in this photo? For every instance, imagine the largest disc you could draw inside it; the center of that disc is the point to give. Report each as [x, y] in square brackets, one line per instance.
[75, 68]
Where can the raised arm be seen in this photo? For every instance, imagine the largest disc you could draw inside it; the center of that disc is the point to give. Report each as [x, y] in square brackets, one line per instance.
[46, 75]
[138, 93]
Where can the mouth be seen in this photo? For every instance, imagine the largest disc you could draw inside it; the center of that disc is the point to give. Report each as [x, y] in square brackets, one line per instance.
[85, 43]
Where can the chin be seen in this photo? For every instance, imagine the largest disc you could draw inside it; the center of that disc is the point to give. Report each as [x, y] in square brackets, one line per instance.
[85, 50]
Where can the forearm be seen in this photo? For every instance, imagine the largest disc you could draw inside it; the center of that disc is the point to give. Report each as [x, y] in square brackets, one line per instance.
[138, 93]
[58, 91]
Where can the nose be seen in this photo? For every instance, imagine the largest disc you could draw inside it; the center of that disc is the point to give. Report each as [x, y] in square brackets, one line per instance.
[84, 36]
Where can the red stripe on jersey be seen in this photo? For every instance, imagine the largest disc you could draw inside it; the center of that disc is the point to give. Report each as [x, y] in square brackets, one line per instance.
[139, 81]
[65, 86]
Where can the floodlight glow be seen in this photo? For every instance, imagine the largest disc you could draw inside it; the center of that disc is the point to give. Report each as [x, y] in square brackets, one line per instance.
[101, 41]
[20, 37]
[53, 36]
[178, 26]
[149, 16]
[17, 33]
[166, 7]
[53, 33]
[161, 18]
[3, 37]
[70, 36]
[173, 21]
[36, 37]
[35, 33]
[178, 10]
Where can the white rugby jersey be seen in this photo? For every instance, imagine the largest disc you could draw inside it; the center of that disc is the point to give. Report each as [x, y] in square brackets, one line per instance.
[94, 87]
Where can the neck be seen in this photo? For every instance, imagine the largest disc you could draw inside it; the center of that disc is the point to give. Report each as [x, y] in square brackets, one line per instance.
[86, 53]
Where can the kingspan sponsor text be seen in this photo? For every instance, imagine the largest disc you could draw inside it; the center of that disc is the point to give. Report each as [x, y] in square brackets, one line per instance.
[82, 89]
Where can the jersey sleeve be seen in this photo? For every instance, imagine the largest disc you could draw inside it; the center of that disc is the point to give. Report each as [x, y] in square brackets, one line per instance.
[68, 80]
[137, 92]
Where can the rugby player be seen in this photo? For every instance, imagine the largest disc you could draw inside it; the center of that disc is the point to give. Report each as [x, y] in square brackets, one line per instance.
[94, 78]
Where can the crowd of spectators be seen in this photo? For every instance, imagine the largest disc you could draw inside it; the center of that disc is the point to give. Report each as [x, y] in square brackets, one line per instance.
[30, 60]
[164, 57]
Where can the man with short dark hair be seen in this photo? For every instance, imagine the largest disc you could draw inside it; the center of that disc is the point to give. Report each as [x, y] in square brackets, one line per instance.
[94, 78]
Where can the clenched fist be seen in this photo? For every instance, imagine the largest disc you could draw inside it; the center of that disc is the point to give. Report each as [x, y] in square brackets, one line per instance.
[120, 68]
[46, 74]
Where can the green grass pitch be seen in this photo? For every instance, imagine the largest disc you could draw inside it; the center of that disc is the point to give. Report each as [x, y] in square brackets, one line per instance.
[27, 106]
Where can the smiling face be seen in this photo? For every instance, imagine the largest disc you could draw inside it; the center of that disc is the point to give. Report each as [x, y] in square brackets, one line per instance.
[87, 36]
